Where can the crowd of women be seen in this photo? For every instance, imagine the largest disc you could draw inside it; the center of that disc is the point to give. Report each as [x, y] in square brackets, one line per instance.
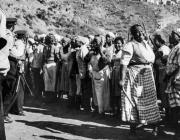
[109, 75]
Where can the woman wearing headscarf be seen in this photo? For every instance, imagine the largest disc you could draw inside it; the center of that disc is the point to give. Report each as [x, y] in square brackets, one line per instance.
[139, 99]
[64, 53]
[72, 74]
[115, 63]
[173, 78]
[50, 54]
[108, 45]
[85, 84]
[100, 74]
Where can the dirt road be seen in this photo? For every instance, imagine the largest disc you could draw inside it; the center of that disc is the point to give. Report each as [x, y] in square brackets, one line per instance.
[57, 122]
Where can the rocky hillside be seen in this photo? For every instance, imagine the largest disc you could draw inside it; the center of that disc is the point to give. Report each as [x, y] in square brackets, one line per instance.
[89, 16]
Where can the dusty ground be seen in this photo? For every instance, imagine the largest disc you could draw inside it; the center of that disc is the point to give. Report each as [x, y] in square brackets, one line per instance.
[57, 122]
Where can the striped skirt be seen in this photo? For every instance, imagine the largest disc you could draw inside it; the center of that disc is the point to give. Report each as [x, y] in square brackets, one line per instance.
[115, 89]
[64, 83]
[141, 91]
[173, 94]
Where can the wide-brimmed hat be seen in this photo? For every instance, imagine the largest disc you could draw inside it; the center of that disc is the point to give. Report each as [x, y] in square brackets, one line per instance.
[21, 33]
[82, 39]
[11, 21]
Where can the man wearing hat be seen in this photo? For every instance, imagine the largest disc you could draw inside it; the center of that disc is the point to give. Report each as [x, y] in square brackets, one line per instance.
[17, 56]
[15, 51]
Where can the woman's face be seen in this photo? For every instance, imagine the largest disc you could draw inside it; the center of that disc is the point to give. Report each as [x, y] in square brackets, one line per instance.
[138, 36]
[118, 45]
[108, 39]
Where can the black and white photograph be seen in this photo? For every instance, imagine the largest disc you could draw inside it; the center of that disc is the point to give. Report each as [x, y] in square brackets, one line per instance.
[89, 69]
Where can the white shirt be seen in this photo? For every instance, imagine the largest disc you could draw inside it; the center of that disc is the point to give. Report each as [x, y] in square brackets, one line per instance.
[165, 50]
[18, 49]
[137, 52]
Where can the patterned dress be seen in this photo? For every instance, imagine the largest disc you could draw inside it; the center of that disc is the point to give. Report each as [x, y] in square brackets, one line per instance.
[139, 84]
[160, 67]
[173, 64]
[64, 84]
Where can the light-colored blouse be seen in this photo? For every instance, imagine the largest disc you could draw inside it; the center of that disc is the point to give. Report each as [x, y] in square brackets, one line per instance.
[136, 52]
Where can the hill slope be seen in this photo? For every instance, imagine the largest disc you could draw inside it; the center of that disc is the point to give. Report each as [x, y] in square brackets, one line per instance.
[87, 16]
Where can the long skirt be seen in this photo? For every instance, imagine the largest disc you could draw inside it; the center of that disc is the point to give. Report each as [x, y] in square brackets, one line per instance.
[50, 77]
[37, 80]
[140, 89]
[162, 87]
[115, 90]
[86, 90]
[75, 85]
[64, 84]
[94, 93]
[102, 89]
[72, 86]
[58, 74]
[173, 94]
[78, 83]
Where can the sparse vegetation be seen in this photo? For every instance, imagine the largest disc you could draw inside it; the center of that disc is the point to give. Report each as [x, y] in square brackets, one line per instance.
[86, 17]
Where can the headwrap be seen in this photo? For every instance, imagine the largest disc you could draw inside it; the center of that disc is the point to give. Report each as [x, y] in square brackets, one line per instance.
[119, 38]
[111, 34]
[83, 40]
[58, 37]
[65, 39]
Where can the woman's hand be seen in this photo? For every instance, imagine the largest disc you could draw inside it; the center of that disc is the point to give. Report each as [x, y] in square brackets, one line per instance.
[121, 84]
